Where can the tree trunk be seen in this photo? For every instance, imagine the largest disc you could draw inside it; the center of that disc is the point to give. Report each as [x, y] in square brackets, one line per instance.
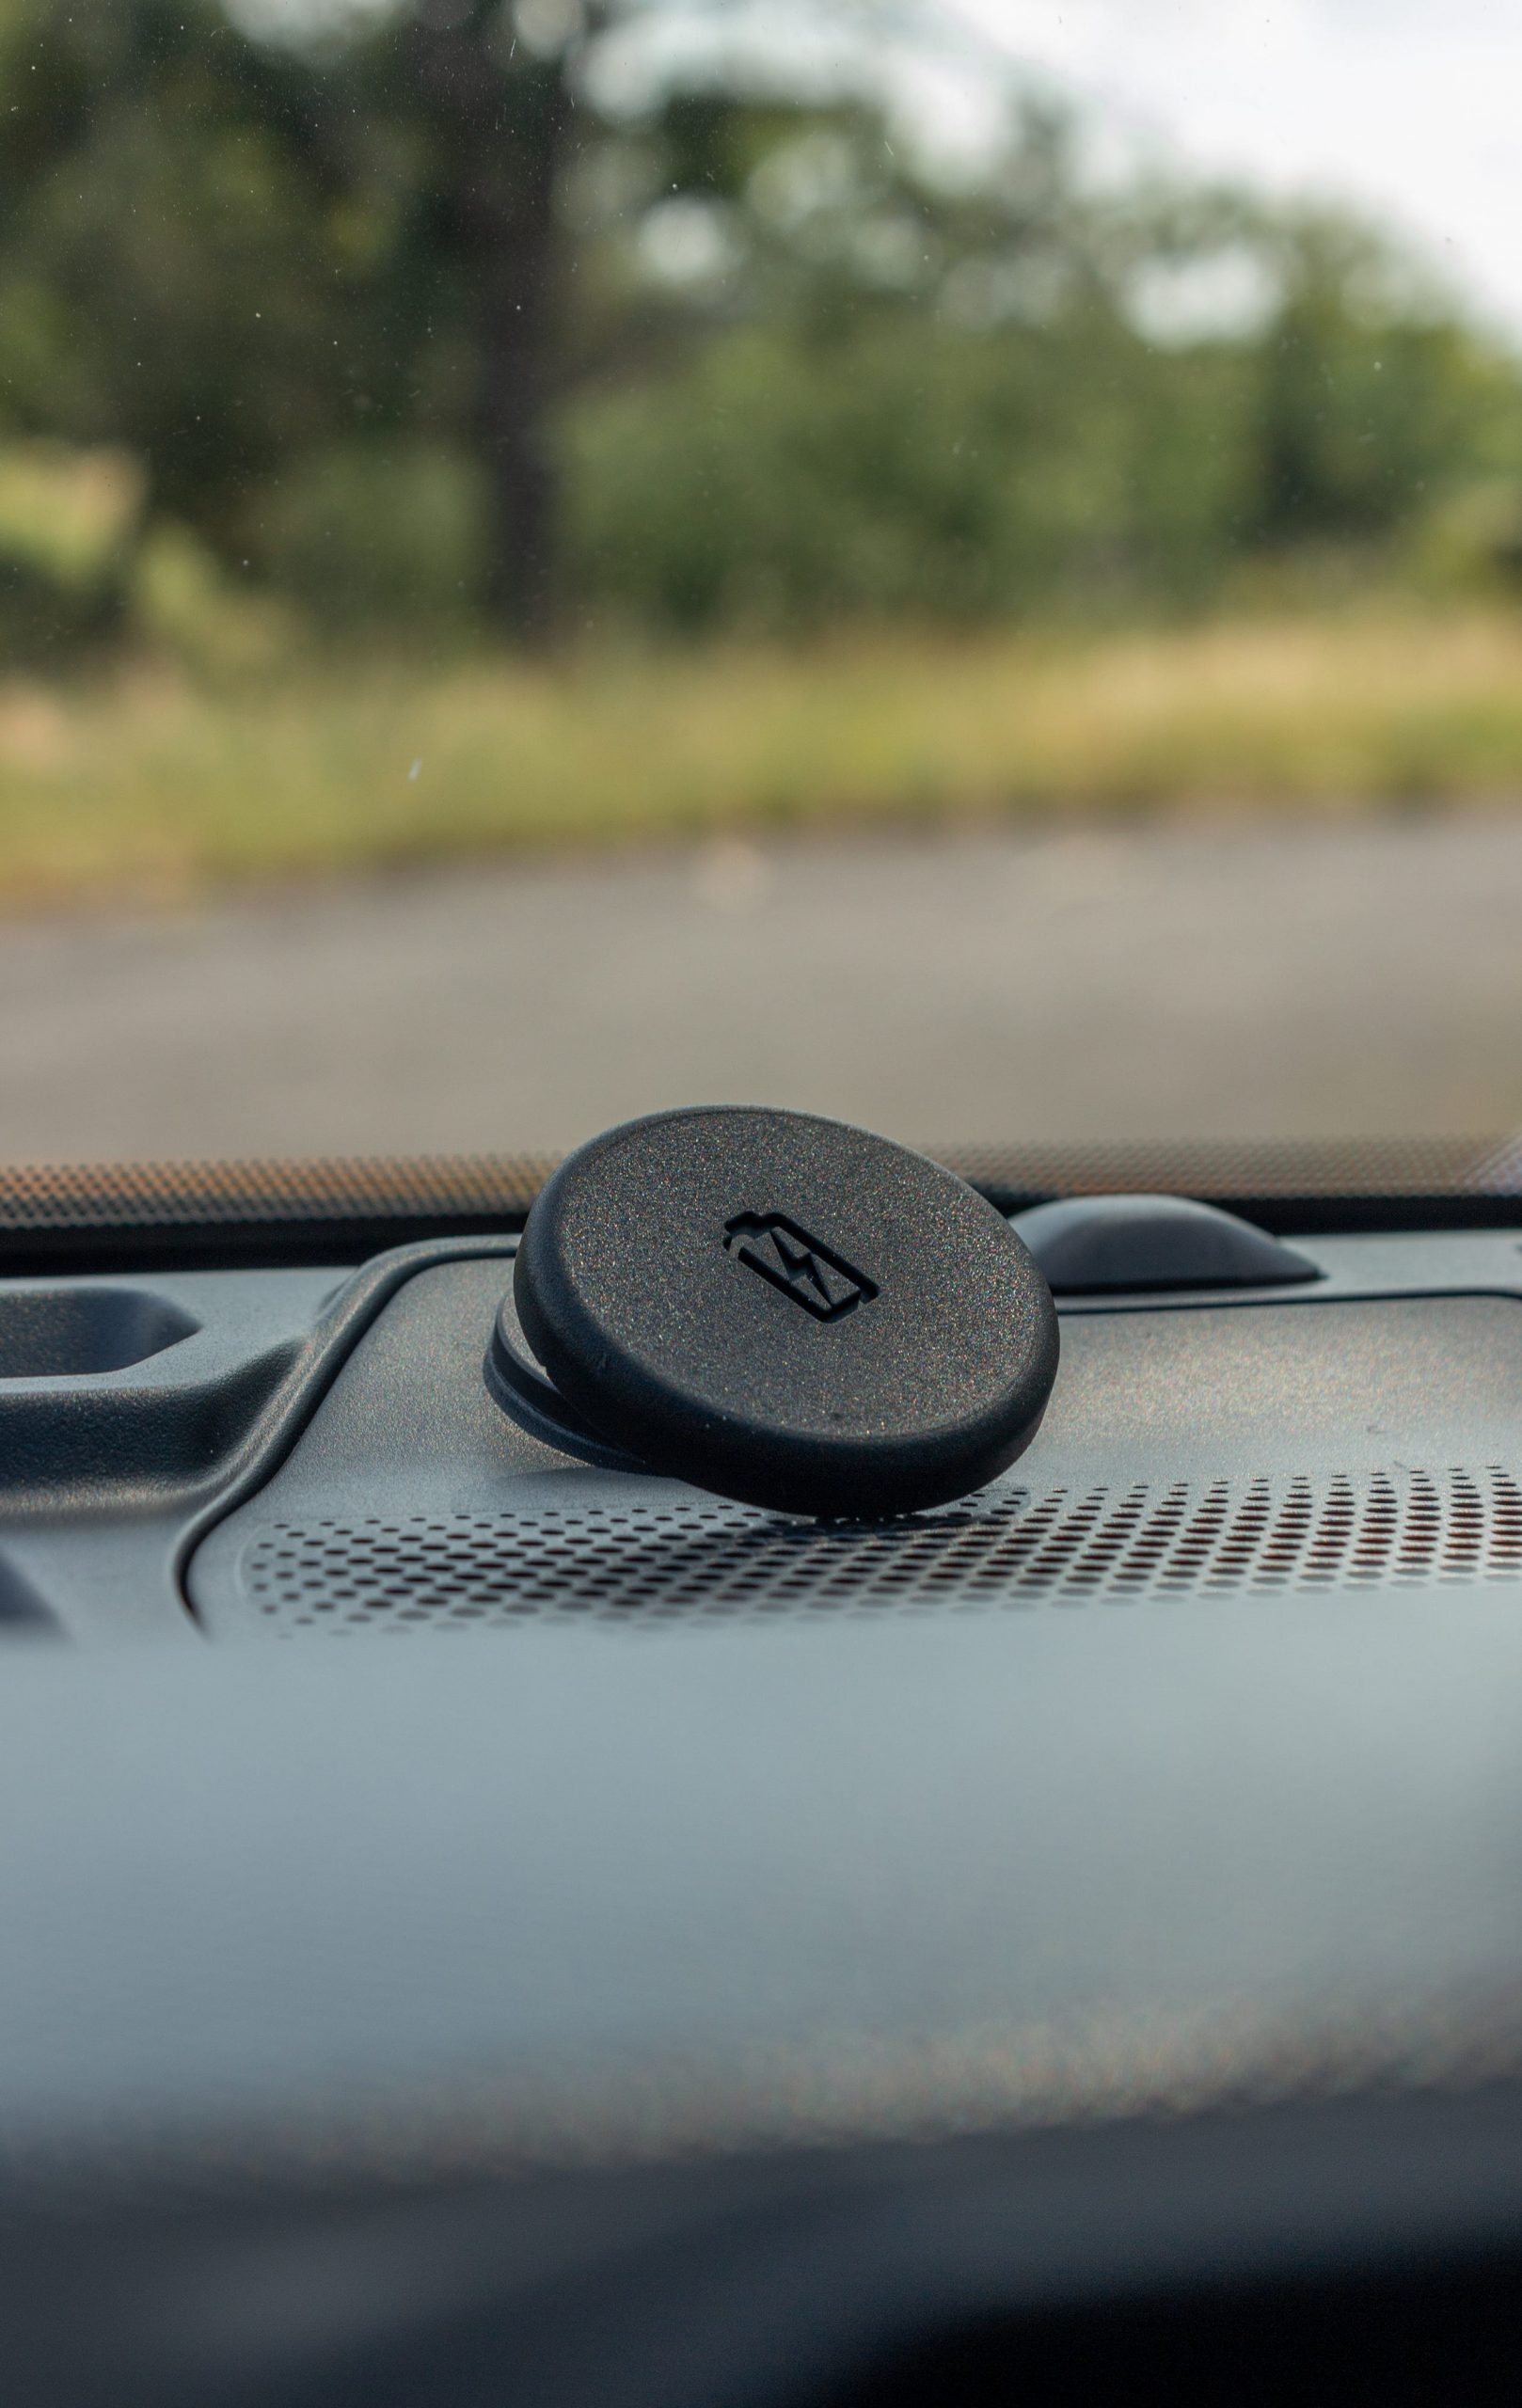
[504, 123]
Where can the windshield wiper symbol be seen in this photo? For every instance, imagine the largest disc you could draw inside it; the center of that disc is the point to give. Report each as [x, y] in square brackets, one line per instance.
[812, 1274]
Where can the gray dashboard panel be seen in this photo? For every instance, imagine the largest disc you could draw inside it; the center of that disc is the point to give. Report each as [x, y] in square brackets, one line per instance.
[1225, 1448]
[756, 1850]
[1401, 1446]
[583, 1897]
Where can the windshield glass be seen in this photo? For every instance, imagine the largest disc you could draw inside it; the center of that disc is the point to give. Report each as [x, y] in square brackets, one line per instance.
[957, 565]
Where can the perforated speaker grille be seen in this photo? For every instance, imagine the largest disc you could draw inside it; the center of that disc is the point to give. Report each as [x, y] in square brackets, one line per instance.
[644, 1564]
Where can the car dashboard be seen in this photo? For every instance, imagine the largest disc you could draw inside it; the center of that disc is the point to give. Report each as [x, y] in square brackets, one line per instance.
[1066, 1939]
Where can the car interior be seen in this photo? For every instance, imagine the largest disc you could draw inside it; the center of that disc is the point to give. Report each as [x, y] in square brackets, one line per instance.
[1062, 1936]
[665, 1742]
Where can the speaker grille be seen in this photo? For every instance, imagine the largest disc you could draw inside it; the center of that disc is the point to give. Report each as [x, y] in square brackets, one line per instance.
[699, 1560]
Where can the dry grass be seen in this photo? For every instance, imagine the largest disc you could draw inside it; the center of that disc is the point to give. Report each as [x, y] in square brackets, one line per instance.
[151, 784]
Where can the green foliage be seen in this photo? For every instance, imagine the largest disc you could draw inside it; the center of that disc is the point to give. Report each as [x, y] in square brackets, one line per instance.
[1372, 395]
[190, 610]
[168, 277]
[1013, 444]
[319, 305]
[775, 484]
[67, 519]
[68, 515]
[1469, 545]
[376, 533]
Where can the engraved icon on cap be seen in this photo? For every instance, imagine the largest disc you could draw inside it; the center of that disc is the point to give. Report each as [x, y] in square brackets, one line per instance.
[812, 1274]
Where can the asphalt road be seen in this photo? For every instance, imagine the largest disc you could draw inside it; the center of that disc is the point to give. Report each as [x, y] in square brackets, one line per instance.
[1166, 982]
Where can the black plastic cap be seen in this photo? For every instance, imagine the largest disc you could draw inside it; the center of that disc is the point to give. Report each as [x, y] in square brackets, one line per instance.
[788, 1310]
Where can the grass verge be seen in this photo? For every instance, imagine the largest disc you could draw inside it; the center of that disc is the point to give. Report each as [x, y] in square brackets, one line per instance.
[150, 783]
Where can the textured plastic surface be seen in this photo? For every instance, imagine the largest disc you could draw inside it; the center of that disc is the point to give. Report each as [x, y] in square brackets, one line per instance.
[882, 1875]
[71, 1331]
[1181, 1944]
[1087, 1244]
[109, 1467]
[138, 1392]
[819, 1981]
[1329, 1443]
[788, 1310]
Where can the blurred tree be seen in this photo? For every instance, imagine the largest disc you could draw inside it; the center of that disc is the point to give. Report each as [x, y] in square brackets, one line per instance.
[220, 248]
[1371, 390]
[346, 286]
[499, 91]
[174, 270]
[220, 252]
[491, 87]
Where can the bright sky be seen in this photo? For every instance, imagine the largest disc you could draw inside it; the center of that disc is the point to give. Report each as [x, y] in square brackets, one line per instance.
[1415, 105]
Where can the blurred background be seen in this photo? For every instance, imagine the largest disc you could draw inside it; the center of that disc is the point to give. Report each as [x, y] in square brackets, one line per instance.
[959, 565]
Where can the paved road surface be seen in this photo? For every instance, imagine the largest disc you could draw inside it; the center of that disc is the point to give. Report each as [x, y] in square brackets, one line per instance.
[1167, 982]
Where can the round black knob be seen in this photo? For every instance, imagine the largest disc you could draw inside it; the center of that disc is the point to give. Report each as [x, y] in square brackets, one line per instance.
[785, 1309]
